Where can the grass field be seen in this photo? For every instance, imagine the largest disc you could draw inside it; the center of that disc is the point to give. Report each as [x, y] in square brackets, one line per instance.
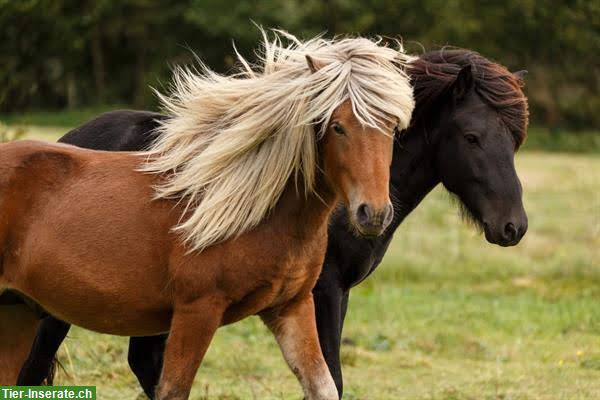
[447, 316]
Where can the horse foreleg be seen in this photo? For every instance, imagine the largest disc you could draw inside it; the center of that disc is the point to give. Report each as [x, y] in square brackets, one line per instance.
[296, 332]
[192, 329]
[145, 359]
[18, 326]
[329, 297]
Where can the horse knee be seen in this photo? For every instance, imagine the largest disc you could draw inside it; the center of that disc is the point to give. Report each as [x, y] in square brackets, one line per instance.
[166, 392]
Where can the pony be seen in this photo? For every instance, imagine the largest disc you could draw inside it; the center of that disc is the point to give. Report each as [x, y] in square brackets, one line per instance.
[119, 243]
[470, 118]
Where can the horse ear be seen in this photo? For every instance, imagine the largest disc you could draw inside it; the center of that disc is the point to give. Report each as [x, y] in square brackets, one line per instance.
[463, 83]
[520, 75]
[313, 65]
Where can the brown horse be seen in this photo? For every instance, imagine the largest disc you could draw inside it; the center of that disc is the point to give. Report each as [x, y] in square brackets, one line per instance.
[224, 218]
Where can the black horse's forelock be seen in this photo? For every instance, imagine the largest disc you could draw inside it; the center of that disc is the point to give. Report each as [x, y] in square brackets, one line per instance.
[434, 72]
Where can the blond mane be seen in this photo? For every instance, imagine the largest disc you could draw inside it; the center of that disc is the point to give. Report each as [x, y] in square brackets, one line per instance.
[232, 143]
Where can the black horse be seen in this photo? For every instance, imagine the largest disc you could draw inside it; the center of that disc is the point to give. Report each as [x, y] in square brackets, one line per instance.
[469, 120]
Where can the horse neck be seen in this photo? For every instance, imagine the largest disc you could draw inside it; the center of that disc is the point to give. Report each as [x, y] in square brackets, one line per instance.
[304, 215]
[413, 171]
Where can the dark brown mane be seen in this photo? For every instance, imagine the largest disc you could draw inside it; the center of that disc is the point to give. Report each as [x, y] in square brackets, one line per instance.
[434, 72]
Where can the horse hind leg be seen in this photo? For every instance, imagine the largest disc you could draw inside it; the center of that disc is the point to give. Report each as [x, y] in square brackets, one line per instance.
[40, 366]
[18, 326]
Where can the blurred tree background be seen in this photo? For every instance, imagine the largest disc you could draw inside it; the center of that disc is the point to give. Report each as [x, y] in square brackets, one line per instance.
[57, 54]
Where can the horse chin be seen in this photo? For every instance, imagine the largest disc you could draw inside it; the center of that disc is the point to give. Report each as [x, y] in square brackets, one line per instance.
[362, 231]
[369, 233]
[359, 233]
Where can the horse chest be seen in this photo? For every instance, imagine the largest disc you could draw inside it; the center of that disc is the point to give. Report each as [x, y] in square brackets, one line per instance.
[296, 278]
[273, 279]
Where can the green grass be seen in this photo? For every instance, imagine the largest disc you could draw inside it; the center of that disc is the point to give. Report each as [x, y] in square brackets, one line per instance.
[446, 317]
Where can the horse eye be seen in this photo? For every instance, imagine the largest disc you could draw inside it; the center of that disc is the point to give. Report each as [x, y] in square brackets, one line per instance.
[338, 129]
[472, 139]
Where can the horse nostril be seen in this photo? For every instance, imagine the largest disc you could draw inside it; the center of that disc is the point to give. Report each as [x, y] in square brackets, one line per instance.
[510, 232]
[363, 214]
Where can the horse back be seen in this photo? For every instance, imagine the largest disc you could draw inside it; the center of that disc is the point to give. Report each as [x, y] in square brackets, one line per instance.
[120, 130]
[48, 180]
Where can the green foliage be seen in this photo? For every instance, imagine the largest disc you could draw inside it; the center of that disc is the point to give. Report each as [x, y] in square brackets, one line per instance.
[69, 53]
[64, 118]
[561, 140]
